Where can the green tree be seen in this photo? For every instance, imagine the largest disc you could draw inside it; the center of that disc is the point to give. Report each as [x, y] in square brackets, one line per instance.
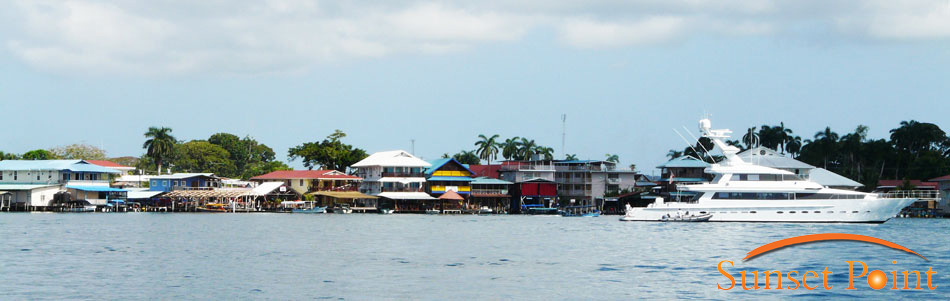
[510, 148]
[570, 157]
[467, 157]
[245, 153]
[38, 154]
[159, 145]
[528, 148]
[331, 153]
[487, 148]
[7, 156]
[202, 156]
[673, 154]
[751, 138]
[79, 151]
[546, 153]
[613, 158]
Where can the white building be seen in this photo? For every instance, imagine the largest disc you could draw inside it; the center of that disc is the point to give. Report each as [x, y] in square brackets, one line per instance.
[35, 183]
[395, 175]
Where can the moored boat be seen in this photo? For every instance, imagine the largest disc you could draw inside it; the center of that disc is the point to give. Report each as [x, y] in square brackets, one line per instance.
[213, 207]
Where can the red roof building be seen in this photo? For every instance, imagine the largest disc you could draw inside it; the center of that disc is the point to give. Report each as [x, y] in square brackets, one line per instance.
[110, 164]
[941, 179]
[306, 181]
[918, 184]
[489, 171]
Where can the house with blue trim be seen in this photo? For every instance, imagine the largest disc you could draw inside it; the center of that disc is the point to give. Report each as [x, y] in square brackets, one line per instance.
[43, 184]
[448, 174]
[184, 181]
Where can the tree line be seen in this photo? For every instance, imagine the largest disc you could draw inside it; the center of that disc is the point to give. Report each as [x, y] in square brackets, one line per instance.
[913, 151]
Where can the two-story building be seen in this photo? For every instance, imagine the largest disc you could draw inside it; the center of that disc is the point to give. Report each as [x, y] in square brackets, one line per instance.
[943, 185]
[398, 177]
[328, 187]
[491, 193]
[184, 181]
[41, 184]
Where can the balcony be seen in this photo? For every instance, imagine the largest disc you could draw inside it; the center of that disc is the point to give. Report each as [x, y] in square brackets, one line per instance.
[401, 189]
[403, 175]
[526, 167]
[613, 181]
[489, 191]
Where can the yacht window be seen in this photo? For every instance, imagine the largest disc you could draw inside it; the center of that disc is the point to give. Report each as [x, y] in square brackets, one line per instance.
[751, 211]
[791, 212]
[769, 178]
[854, 212]
[752, 196]
[804, 211]
[829, 212]
[740, 177]
[790, 178]
[779, 212]
[753, 177]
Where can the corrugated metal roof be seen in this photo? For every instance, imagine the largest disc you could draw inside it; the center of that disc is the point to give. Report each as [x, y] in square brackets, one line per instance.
[179, 176]
[305, 174]
[436, 164]
[95, 188]
[70, 165]
[489, 181]
[397, 158]
[684, 162]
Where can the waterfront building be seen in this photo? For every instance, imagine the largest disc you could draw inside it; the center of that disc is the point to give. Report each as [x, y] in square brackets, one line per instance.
[132, 181]
[448, 175]
[682, 170]
[398, 177]
[587, 182]
[943, 186]
[488, 171]
[328, 187]
[184, 181]
[307, 181]
[534, 193]
[491, 193]
[43, 184]
[926, 193]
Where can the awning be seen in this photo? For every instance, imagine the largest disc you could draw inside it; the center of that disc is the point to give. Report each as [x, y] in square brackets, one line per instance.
[344, 194]
[134, 195]
[11, 187]
[406, 196]
[95, 188]
[217, 193]
[451, 196]
[402, 180]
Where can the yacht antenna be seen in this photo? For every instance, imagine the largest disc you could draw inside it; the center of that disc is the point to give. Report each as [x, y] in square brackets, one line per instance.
[700, 143]
[688, 144]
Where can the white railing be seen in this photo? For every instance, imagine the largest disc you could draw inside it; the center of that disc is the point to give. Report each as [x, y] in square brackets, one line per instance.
[923, 195]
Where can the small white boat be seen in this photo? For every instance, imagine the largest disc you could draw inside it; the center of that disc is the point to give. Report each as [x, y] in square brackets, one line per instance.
[692, 218]
[432, 211]
[485, 210]
[342, 209]
[387, 211]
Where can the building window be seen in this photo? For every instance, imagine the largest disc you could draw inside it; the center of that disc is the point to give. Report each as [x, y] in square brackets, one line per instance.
[301, 182]
[15, 175]
[165, 183]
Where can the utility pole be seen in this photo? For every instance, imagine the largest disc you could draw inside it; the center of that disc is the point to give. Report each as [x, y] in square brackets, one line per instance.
[413, 146]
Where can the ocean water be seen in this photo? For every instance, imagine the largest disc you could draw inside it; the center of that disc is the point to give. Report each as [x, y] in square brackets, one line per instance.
[366, 256]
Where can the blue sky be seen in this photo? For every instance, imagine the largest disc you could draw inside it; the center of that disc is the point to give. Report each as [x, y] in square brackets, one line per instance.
[626, 74]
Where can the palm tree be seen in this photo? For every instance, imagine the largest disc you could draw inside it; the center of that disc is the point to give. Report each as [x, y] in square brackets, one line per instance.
[159, 145]
[570, 157]
[786, 135]
[673, 154]
[545, 152]
[613, 158]
[794, 145]
[751, 139]
[487, 148]
[509, 148]
[828, 143]
[528, 148]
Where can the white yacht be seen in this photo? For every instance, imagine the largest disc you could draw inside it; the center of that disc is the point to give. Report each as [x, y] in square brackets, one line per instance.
[743, 192]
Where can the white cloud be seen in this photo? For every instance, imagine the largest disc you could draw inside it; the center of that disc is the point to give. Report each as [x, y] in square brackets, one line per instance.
[588, 33]
[251, 37]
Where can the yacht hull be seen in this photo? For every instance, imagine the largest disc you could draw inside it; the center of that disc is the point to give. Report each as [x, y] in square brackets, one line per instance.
[796, 211]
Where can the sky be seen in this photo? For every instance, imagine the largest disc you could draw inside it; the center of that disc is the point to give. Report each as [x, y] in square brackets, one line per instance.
[626, 73]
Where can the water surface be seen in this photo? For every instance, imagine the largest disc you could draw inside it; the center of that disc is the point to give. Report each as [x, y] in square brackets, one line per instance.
[366, 256]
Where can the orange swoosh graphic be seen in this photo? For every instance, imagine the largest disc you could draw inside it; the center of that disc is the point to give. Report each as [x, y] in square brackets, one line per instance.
[824, 237]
